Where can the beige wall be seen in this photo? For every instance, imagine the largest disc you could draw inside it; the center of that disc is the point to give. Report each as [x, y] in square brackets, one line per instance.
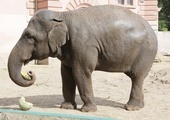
[148, 9]
[13, 20]
[164, 42]
[15, 7]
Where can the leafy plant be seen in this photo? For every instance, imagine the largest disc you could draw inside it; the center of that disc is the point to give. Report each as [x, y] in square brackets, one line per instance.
[162, 25]
[164, 15]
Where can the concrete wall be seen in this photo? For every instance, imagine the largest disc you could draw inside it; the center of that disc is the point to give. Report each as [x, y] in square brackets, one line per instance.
[13, 20]
[164, 42]
[16, 7]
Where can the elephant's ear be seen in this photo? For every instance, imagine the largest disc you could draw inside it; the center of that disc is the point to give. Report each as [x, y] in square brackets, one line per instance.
[57, 35]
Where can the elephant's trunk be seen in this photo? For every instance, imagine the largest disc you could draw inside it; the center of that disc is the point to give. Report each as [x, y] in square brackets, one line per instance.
[15, 63]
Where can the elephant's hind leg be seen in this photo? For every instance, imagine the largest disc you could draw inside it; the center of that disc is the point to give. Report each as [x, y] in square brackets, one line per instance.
[138, 73]
[69, 88]
[136, 100]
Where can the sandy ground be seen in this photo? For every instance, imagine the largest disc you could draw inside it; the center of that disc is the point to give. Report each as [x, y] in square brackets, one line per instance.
[111, 92]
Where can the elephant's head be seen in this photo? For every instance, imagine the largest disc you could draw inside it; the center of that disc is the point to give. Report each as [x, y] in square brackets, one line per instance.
[43, 37]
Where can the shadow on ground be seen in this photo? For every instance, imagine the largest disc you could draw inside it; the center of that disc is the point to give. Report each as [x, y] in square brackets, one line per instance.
[52, 101]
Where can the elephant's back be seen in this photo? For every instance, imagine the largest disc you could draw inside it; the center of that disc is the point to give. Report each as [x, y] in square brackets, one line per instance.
[102, 12]
[114, 21]
[107, 15]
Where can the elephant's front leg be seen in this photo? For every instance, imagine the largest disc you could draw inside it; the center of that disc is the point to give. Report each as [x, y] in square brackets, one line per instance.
[82, 76]
[69, 87]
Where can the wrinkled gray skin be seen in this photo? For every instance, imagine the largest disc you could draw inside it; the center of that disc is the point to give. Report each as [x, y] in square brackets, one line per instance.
[106, 38]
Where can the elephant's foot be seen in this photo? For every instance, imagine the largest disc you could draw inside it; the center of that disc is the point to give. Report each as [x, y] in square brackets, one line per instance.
[69, 105]
[89, 108]
[132, 105]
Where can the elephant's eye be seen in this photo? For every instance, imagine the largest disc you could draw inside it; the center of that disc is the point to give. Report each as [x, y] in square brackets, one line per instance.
[30, 38]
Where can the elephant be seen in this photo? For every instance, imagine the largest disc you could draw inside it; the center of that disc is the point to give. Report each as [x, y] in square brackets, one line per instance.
[106, 38]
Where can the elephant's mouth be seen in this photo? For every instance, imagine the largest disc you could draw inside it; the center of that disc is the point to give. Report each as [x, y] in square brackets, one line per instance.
[27, 61]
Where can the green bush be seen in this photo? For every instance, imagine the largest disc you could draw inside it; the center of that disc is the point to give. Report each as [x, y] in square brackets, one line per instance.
[162, 25]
